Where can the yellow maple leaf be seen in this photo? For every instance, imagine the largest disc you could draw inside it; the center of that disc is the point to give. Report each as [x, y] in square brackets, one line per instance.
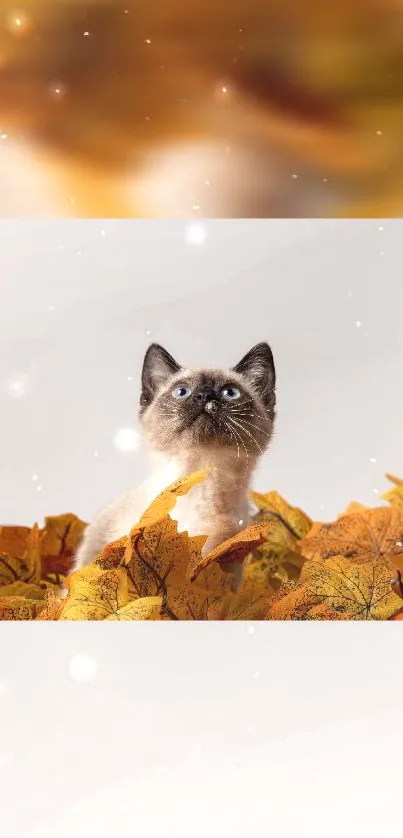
[23, 589]
[250, 602]
[212, 584]
[165, 502]
[18, 608]
[277, 559]
[394, 496]
[157, 557]
[112, 556]
[157, 560]
[95, 594]
[339, 587]
[292, 518]
[52, 605]
[145, 608]
[373, 535]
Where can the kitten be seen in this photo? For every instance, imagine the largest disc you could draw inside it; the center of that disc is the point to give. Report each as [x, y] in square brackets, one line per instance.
[192, 419]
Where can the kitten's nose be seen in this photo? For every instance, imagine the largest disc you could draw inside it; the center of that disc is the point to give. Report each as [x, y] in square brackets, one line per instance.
[211, 406]
[205, 396]
[208, 401]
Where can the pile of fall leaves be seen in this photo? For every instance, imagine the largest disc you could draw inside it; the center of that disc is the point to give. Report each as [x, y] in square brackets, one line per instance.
[294, 569]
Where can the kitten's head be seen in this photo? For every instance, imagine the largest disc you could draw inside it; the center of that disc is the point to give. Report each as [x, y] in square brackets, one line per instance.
[183, 409]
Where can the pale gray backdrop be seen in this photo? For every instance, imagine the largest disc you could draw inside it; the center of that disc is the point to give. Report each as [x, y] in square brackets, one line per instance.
[81, 300]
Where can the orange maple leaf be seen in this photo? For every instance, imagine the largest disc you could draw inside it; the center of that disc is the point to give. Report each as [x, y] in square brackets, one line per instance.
[232, 550]
[373, 535]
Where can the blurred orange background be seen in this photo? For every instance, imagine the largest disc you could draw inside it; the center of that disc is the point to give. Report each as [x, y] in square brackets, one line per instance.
[186, 108]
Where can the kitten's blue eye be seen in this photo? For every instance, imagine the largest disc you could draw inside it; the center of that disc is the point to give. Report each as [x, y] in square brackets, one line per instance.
[181, 392]
[230, 393]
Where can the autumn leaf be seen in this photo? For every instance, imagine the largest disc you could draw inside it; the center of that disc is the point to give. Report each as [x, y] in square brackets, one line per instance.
[61, 533]
[145, 608]
[232, 550]
[398, 481]
[96, 591]
[95, 594]
[19, 555]
[277, 559]
[355, 591]
[165, 502]
[157, 557]
[113, 555]
[157, 560]
[13, 541]
[250, 602]
[348, 570]
[12, 569]
[18, 608]
[23, 589]
[59, 540]
[154, 562]
[324, 611]
[394, 496]
[373, 535]
[293, 519]
[110, 558]
[362, 591]
[213, 585]
[353, 508]
[151, 554]
[295, 601]
[52, 606]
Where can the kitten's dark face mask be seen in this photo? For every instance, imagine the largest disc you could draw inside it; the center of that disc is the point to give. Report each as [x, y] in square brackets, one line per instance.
[181, 408]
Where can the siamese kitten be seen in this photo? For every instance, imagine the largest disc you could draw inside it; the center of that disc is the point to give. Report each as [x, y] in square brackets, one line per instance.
[222, 418]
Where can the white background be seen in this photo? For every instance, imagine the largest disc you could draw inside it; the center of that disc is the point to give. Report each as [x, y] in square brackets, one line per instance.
[199, 730]
[81, 301]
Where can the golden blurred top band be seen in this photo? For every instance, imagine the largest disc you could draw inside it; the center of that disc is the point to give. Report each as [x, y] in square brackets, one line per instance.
[200, 108]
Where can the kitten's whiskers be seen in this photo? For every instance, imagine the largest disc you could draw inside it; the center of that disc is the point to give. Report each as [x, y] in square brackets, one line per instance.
[249, 434]
[238, 435]
[252, 425]
[226, 425]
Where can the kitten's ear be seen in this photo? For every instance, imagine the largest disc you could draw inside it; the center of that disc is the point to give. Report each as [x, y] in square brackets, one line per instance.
[158, 367]
[257, 366]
